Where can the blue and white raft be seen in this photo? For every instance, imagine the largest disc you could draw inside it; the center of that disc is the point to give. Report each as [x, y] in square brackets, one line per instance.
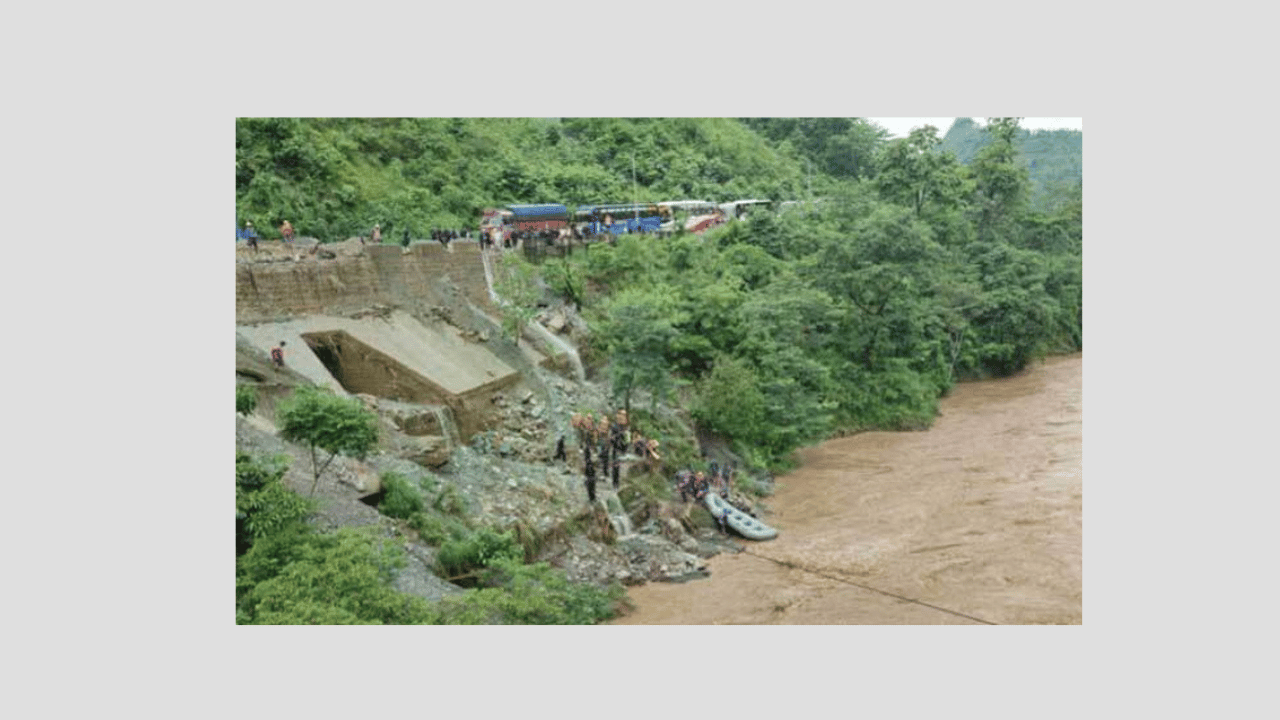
[743, 523]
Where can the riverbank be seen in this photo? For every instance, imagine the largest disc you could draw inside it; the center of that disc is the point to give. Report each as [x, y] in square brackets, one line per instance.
[977, 519]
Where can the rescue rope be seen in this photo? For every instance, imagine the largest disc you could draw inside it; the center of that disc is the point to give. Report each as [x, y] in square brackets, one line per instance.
[794, 566]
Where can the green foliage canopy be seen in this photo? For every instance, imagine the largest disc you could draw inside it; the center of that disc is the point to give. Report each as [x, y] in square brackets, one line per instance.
[321, 420]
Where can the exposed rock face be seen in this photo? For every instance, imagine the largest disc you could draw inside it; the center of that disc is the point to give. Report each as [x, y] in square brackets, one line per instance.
[429, 451]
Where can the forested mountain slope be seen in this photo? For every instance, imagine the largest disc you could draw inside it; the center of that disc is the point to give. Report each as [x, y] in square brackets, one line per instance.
[334, 178]
[1054, 158]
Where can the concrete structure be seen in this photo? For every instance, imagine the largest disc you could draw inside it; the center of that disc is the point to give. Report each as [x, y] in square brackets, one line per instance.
[321, 308]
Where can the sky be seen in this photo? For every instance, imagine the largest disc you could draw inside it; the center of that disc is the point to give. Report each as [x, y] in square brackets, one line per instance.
[900, 127]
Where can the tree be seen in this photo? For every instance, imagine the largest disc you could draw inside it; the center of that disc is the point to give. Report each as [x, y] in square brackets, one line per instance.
[324, 421]
[1002, 183]
[911, 172]
[264, 506]
[516, 284]
[636, 329]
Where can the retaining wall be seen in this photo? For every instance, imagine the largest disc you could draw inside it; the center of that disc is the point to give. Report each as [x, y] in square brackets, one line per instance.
[384, 274]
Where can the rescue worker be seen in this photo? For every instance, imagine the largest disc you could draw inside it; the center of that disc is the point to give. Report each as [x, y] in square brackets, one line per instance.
[684, 483]
[590, 471]
[618, 438]
[602, 439]
[250, 236]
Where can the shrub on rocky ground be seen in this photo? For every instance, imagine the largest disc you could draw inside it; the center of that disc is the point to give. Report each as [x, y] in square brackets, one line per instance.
[464, 556]
[402, 497]
[246, 399]
[535, 594]
[436, 529]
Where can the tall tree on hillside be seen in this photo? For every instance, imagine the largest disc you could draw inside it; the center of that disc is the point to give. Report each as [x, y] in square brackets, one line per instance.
[910, 172]
[635, 330]
[1002, 182]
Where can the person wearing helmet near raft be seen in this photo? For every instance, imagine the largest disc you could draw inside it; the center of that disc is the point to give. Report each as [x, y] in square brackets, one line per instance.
[250, 236]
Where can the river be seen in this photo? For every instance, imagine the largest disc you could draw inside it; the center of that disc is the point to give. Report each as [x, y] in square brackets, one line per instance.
[976, 520]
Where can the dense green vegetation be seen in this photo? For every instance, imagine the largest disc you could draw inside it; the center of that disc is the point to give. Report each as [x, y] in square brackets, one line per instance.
[860, 313]
[335, 178]
[289, 574]
[1054, 158]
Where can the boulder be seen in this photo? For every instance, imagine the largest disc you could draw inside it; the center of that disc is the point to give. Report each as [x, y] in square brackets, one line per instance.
[429, 450]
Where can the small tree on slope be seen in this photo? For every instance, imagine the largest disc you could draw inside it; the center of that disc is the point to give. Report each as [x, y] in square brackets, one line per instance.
[324, 421]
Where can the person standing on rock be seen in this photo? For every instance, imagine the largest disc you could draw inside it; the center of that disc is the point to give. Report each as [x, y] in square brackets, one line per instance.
[590, 471]
[277, 355]
[602, 438]
[286, 231]
[375, 236]
[618, 439]
[560, 454]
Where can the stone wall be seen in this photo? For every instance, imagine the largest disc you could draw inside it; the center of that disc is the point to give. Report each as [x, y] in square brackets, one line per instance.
[380, 274]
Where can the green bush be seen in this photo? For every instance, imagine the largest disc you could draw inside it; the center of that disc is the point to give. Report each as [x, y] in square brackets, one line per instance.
[435, 530]
[246, 399]
[264, 506]
[461, 556]
[450, 501]
[535, 594]
[401, 498]
[340, 578]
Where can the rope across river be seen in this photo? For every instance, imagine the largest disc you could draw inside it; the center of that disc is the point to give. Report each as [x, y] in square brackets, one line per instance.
[847, 581]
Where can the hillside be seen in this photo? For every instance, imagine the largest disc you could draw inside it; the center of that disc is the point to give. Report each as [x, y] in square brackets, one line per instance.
[1054, 158]
[334, 178]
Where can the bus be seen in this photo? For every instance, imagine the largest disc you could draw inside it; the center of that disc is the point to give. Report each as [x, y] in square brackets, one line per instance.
[501, 222]
[620, 218]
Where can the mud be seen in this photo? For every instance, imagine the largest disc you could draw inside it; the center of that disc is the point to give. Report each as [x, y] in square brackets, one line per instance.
[976, 520]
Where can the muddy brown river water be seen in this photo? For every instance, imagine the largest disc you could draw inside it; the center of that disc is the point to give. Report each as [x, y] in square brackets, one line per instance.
[976, 520]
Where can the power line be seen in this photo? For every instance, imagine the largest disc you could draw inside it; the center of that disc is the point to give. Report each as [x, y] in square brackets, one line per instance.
[793, 566]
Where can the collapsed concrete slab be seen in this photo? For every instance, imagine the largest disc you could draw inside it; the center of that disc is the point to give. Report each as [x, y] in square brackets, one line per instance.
[396, 357]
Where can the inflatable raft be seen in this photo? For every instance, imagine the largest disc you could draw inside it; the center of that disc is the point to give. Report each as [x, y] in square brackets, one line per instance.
[743, 523]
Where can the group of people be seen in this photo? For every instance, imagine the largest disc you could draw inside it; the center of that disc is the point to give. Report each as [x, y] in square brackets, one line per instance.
[697, 484]
[250, 236]
[603, 441]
